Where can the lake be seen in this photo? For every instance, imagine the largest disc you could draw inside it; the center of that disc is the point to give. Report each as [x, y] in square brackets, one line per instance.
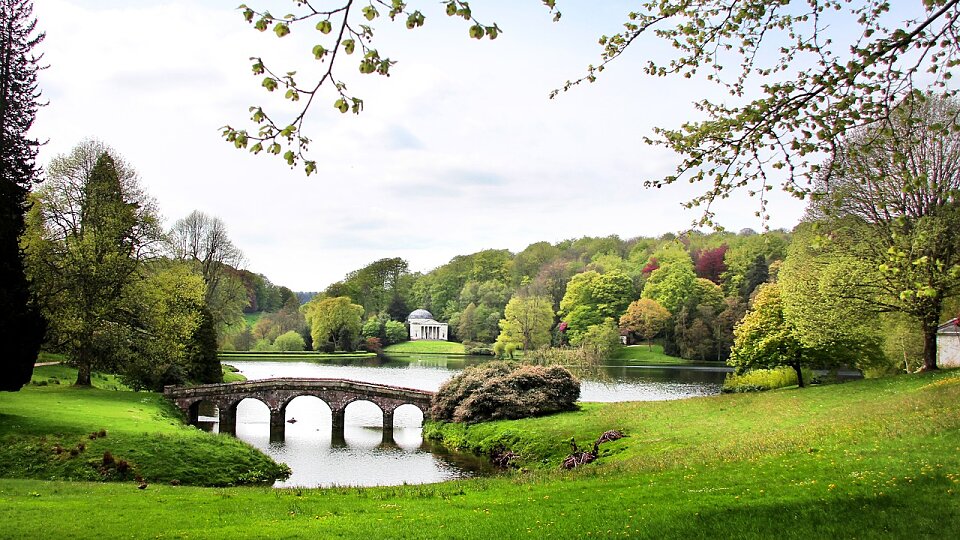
[367, 455]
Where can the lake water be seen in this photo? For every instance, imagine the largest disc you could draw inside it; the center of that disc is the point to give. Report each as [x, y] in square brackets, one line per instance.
[367, 455]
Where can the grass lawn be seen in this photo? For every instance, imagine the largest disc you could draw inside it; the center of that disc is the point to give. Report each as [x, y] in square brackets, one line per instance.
[647, 355]
[866, 459]
[303, 356]
[425, 347]
[230, 374]
[57, 431]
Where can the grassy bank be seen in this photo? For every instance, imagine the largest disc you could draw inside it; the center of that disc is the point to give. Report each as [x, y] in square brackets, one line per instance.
[302, 356]
[868, 459]
[57, 431]
[649, 355]
[425, 347]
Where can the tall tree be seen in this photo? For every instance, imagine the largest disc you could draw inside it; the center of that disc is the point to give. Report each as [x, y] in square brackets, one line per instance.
[203, 241]
[892, 200]
[22, 326]
[766, 339]
[527, 320]
[89, 230]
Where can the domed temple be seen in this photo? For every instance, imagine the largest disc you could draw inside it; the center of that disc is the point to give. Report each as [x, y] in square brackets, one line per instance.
[424, 327]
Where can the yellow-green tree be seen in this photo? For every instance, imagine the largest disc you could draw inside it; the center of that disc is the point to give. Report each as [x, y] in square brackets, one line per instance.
[527, 322]
[335, 321]
[645, 318]
[89, 233]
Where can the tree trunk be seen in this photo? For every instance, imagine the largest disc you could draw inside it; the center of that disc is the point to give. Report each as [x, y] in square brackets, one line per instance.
[929, 346]
[83, 369]
[83, 374]
[796, 367]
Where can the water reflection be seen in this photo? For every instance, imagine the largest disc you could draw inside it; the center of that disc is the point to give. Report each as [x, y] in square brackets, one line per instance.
[368, 455]
[365, 455]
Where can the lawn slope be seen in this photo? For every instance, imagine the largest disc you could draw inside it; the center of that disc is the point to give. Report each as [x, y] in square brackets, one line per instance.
[868, 459]
[57, 431]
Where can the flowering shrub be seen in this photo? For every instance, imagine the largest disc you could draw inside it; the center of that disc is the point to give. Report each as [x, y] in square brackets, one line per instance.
[505, 390]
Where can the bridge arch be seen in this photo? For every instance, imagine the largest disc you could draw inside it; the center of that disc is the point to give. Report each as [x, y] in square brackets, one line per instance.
[276, 394]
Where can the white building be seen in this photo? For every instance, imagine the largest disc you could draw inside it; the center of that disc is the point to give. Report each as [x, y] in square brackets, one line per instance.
[423, 327]
[948, 344]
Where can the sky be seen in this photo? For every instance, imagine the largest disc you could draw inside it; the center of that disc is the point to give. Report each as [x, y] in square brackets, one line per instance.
[459, 150]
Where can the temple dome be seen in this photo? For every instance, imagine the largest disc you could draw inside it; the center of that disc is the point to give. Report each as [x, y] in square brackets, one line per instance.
[419, 314]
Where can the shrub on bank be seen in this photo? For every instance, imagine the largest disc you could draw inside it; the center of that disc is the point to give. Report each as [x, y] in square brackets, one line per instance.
[758, 380]
[505, 391]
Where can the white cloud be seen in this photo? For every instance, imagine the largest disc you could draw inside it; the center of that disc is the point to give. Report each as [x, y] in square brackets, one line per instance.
[459, 150]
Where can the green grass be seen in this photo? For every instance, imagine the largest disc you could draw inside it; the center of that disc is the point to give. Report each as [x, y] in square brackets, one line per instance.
[251, 318]
[66, 375]
[303, 356]
[647, 355]
[46, 433]
[867, 459]
[425, 347]
[44, 356]
[231, 374]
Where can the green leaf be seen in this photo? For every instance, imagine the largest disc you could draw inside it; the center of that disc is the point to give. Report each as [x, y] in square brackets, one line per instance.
[349, 45]
[324, 27]
[281, 29]
[319, 52]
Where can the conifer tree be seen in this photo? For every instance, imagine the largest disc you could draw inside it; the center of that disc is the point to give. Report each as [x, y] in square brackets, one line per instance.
[21, 325]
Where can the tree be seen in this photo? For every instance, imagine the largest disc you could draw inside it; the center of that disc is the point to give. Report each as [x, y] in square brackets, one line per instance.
[395, 332]
[600, 340]
[164, 335]
[336, 321]
[592, 297]
[672, 283]
[89, 232]
[203, 241]
[527, 321]
[892, 201]
[814, 285]
[22, 325]
[645, 318]
[766, 339]
[807, 73]
[290, 341]
[709, 263]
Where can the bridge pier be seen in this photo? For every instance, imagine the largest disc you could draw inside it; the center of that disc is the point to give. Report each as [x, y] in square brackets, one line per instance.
[339, 418]
[228, 419]
[278, 426]
[388, 420]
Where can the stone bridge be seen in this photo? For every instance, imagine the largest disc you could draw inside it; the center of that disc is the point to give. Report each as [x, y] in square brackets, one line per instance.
[278, 393]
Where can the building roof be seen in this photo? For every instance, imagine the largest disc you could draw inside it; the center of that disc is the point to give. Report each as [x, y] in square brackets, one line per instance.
[419, 314]
[949, 327]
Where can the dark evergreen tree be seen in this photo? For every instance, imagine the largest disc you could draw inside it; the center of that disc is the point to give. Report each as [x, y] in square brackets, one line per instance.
[204, 366]
[21, 326]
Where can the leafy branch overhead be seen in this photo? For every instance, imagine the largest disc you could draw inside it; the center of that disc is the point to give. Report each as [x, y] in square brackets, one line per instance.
[802, 75]
[341, 30]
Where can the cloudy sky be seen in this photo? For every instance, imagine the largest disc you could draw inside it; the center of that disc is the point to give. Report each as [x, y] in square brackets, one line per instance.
[458, 150]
